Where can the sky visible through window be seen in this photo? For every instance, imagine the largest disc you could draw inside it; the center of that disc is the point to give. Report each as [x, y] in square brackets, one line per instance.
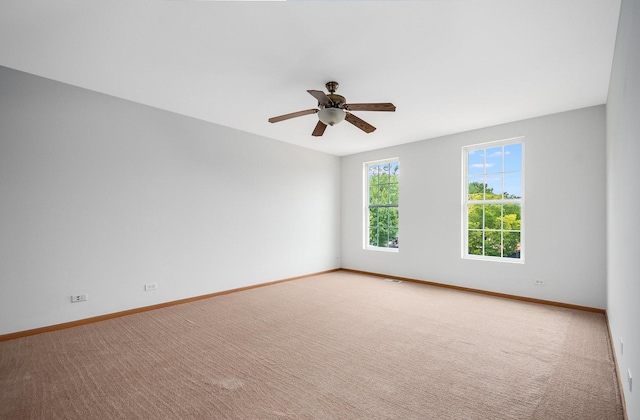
[489, 169]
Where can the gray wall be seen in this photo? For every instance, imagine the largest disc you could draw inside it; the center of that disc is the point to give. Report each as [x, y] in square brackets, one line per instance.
[564, 211]
[623, 200]
[100, 196]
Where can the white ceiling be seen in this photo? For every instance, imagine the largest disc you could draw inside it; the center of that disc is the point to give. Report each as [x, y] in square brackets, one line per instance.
[448, 66]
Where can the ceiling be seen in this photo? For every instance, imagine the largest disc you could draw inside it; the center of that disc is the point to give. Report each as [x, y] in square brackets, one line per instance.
[448, 66]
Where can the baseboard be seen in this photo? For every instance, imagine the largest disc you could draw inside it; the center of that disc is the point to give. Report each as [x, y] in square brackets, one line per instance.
[85, 321]
[617, 367]
[484, 292]
[26, 333]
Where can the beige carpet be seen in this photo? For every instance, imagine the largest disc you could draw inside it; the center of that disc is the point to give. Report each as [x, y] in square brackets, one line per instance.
[334, 346]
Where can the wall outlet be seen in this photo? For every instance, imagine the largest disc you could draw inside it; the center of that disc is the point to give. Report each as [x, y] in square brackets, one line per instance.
[539, 282]
[621, 346]
[78, 298]
[150, 286]
[630, 380]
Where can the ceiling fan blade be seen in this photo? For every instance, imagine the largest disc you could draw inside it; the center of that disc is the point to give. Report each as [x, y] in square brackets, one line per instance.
[321, 97]
[361, 124]
[293, 115]
[386, 106]
[319, 130]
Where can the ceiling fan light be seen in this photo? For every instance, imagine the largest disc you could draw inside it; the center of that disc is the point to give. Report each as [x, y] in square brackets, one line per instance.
[331, 116]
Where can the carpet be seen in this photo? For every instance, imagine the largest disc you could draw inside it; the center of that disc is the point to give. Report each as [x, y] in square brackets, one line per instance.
[334, 346]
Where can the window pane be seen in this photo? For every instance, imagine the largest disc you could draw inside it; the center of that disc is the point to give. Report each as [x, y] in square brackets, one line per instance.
[511, 218]
[474, 214]
[513, 185]
[475, 161]
[395, 171]
[494, 160]
[384, 193]
[373, 217]
[383, 217]
[475, 242]
[373, 175]
[476, 187]
[393, 238]
[513, 157]
[373, 237]
[393, 194]
[512, 244]
[393, 216]
[373, 194]
[492, 243]
[493, 187]
[383, 238]
[384, 173]
[493, 216]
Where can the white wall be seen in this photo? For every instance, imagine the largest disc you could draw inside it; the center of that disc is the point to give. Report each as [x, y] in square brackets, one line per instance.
[623, 200]
[100, 196]
[564, 220]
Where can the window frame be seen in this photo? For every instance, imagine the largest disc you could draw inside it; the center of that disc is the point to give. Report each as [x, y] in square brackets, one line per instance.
[367, 205]
[466, 201]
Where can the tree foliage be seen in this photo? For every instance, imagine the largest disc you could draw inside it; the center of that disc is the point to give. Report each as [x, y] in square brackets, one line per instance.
[383, 205]
[494, 228]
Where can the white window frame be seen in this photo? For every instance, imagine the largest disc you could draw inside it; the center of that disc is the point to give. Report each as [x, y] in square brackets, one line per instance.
[466, 202]
[366, 227]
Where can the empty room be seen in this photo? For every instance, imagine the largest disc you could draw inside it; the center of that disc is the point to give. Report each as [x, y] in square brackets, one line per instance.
[320, 209]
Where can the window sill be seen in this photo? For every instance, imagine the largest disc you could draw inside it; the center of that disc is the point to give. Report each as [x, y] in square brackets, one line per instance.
[494, 259]
[374, 248]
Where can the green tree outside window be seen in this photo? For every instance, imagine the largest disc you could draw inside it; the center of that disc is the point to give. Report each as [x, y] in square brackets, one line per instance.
[383, 194]
[494, 200]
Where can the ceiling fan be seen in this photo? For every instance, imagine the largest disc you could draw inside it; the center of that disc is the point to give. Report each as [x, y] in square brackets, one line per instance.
[333, 108]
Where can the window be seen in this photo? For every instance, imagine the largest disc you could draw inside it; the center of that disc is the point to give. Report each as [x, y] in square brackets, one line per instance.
[381, 204]
[493, 201]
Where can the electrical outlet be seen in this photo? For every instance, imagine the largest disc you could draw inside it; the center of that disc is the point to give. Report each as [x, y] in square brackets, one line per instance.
[150, 286]
[78, 298]
[621, 346]
[538, 282]
[630, 380]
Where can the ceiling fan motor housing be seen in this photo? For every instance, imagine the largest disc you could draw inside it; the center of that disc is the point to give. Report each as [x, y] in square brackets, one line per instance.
[338, 100]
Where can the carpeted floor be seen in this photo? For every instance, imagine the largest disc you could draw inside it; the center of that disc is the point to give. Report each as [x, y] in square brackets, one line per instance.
[334, 346]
